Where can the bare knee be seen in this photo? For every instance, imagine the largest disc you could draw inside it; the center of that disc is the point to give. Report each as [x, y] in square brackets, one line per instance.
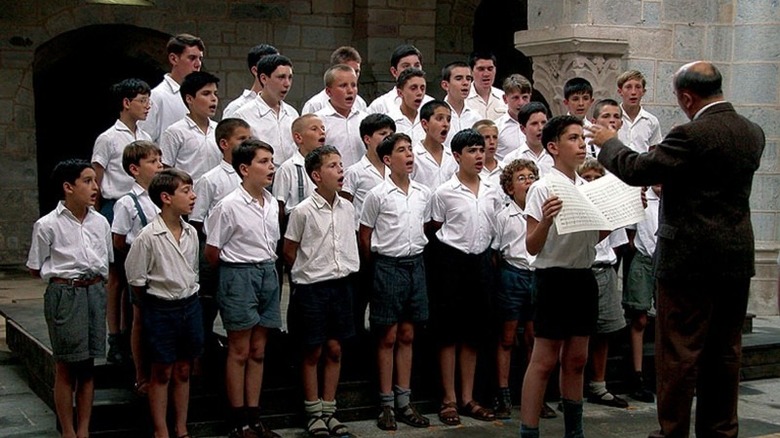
[333, 353]
[161, 374]
[406, 335]
[182, 371]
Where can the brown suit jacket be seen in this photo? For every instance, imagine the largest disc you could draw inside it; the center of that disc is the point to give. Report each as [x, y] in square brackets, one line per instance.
[706, 167]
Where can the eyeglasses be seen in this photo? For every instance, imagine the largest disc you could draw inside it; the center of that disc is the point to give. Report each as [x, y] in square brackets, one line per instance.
[523, 178]
[142, 100]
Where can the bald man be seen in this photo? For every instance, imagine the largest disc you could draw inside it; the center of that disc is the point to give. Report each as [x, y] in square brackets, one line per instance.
[705, 253]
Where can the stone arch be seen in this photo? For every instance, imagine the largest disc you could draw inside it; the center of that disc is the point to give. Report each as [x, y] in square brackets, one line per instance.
[72, 73]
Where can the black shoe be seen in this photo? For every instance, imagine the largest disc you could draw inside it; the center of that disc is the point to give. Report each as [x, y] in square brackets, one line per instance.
[608, 399]
[639, 391]
[114, 354]
[503, 406]
[259, 429]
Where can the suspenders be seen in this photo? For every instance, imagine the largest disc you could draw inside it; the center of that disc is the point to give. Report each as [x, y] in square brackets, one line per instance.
[138, 208]
[300, 182]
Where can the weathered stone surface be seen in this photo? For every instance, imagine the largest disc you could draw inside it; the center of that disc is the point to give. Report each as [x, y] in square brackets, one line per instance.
[754, 83]
[751, 11]
[766, 194]
[756, 43]
[769, 161]
[664, 93]
[688, 42]
[331, 6]
[287, 35]
[616, 12]
[258, 11]
[720, 41]
[687, 11]
[651, 14]
[766, 117]
[575, 11]
[544, 13]
[668, 115]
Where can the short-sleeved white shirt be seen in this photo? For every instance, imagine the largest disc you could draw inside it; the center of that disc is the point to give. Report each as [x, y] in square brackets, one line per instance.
[641, 133]
[510, 136]
[318, 101]
[66, 248]
[291, 183]
[108, 150]
[169, 269]
[359, 179]
[327, 245]
[127, 220]
[510, 236]
[167, 108]
[231, 108]
[344, 133]
[645, 238]
[605, 252]
[384, 103]
[573, 250]
[458, 122]
[543, 161]
[405, 126]
[211, 188]
[493, 109]
[430, 173]
[244, 230]
[186, 147]
[397, 218]
[468, 221]
[270, 127]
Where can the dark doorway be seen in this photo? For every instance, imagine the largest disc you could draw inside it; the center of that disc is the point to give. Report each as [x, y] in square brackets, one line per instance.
[72, 74]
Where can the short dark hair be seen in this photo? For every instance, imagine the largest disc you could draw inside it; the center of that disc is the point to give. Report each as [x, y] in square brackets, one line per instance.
[466, 138]
[259, 51]
[344, 54]
[68, 171]
[137, 151]
[446, 72]
[128, 89]
[427, 110]
[598, 106]
[177, 44]
[528, 110]
[556, 126]
[403, 51]
[226, 127]
[374, 122]
[387, 145]
[167, 181]
[702, 84]
[407, 74]
[577, 85]
[193, 82]
[477, 55]
[246, 151]
[268, 64]
[313, 160]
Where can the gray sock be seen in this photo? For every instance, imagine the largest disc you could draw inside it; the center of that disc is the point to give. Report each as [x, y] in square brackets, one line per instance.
[402, 396]
[572, 419]
[386, 399]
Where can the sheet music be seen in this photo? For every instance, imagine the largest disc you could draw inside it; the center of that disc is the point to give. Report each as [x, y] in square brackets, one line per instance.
[577, 212]
[620, 203]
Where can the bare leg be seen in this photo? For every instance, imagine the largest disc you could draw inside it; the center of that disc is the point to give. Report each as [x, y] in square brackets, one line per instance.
[309, 373]
[136, 346]
[64, 384]
[638, 324]
[599, 350]
[384, 357]
[574, 355]
[332, 371]
[403, 355]
[447, 367]
[468, 365]
[544, 358]
[158, 397]
[504, 352]
[236, 366]
[85, 395]
[253, 379]
[181, 395]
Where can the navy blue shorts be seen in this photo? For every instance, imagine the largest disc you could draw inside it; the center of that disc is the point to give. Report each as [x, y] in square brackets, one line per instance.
[399, 294]
[322, 311]
[173, 329]
[567, 303]
[514, 299]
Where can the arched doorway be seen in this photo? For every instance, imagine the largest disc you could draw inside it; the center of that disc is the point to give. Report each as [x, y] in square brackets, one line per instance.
[72, 74]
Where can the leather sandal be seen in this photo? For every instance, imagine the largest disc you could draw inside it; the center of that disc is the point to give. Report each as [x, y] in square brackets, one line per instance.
[448, 414]
[474, 410]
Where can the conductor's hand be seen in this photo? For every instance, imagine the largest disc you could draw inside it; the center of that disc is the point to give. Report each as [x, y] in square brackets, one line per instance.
[599, 135]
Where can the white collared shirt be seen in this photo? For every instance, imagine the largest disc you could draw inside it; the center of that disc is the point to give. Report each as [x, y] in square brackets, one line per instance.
[384, 103]
[544, 161]
[66, 248]
[494, 108]
[493, 176]
[605, 252]
[468, 221]
[645, 237]
[430, 173]
[108, 150]
[359, 179]
[167, 268]
[318, 101]
[167, 108]
[510, 236]
[231, 108]
[211, 188]
[270, 127]
[186, 147]
[327, 245]
[641, 133]
[291, 183]
[397, 218]
[127, 220]
[465, 120]
[244, 230]
[510, 136]
[344, 133]
[405, 126]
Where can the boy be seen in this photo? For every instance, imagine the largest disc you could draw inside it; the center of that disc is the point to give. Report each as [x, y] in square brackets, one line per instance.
[269, 116]
[607, 113]
[254, 55]
[566, 291]
[162, 269]
[189, 144]
[132, 212]
[71, 250]
[403, 57]
[532, 119]
[411, 89]
[640, 128]
[185, 54]
[434, 164]
[341, 118]
[487, 100]
[291, 185]
[391, 233]
[517, 94]
[131, 97]
[243, 233]
[321, 247]
[343, 55]
[610, 314]
[577, 98]
[463, 211]
[456, 81]
[491, 168]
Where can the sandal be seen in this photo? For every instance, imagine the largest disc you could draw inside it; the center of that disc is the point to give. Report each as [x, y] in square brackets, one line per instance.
[386, 420]
[335, 427]
[477, 412]
[316, 427]
[409, 415]
[547, 412]
[448, 414]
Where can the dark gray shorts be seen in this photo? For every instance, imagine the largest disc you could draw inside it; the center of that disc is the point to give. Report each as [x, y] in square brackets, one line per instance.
[610, 317]
[322, 311]
[76, 318]
[640, 286]
[248, 296]
[399, 294]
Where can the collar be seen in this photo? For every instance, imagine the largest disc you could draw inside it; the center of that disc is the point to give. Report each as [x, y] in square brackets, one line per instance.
[525, 149]
[137, 189]
[120, 126]
[321, 203]
[515, 209]
[466, 108]
[192, 125]
[577, 179]
[226, 167]
[249, 199]
[158, 226]
[642, 114]
[172, 84]
[248, 94]
[329, 110]
[422, 151]
[455, 183]
[62, 209]
[392, 187]
[298, 159]
[506, 118]
[705, 108]
[494, 93]
[264, 109]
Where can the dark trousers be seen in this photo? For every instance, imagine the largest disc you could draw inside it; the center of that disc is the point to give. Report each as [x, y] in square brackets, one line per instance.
[698, 349]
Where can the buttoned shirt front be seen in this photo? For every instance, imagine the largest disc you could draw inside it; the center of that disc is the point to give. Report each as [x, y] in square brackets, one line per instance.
[291, 183]
[544, 161]
[166, 267]
[359, 179]
[127, 220]
[231, 108]
[108, 150]
[458, 122]
[186, 147]
[344, 133]
[642, 132]
[403, 125]
[494, 108]
[511, 231]
[211, 188]
[430, 173]
[510, 136]
[167, 108]
[270, 127]
[318, 101]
